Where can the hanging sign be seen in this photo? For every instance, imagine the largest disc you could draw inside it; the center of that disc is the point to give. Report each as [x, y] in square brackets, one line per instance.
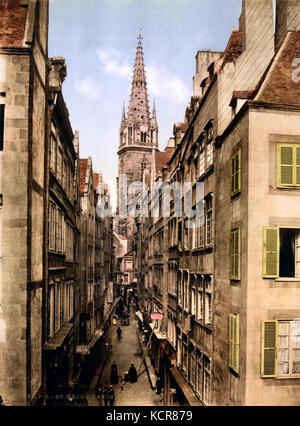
[156, 316]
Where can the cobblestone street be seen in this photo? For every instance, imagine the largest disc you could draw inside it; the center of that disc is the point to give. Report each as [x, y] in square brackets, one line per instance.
[125, 352]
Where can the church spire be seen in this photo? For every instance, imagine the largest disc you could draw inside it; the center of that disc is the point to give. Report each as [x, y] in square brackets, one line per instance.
[154, 120]
[138, 111]
[123, 120]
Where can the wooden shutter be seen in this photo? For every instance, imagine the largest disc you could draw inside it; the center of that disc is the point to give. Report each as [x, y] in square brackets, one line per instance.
[285, 165]
[297, 155]
[235, 254]
[236, 173]
[234, 342]
[269, 348]
[271, 253]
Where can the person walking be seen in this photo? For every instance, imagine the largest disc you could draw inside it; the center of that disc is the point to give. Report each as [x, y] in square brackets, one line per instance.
[114, 374]
[106, 396]
[99, 393]
[132, 374]
[111, 394]
[119, 332]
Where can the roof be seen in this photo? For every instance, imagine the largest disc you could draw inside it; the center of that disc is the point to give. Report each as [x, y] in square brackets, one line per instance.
[278, 86]
[12, 23]
[162, 158]
[96, 180]
[121, 237]
[131, 253]
[83, 168]
[233, 49]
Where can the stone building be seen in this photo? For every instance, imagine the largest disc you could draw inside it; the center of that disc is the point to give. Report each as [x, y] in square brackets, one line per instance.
[138, 140]
[24, 147]
[96, 263]
[230, 284]
[63, 258]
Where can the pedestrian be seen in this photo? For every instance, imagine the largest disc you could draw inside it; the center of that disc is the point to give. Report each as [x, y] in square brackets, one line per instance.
[106, 396]
[111, 394]
[114, 374]
[1, 401]
[158, 384]
[132, 374]
[119, 332]
[99, 393]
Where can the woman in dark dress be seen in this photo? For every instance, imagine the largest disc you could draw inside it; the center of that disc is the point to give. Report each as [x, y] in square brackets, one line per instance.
[132, 374]
[114, 374]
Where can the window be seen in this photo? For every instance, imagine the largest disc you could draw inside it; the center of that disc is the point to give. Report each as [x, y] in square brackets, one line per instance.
[200, 299]
[52, 212]
[186, 292]
[193, 301]
[288, 165]
[192, 367]
[280, 348]
[209, 148]
[234, 342]
[2, 116]
[209, 220]
[59, 231]
[236, 173]
[59, 164]
[281, 252]
[180, 288]
[202, 161]
[51, 310]
[203, 372]
[208, 300]
[235, 254]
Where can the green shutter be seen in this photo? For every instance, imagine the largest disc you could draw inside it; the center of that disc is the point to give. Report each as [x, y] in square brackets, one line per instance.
[288, 165]
[235, 254]
[298, 165]
[269, 348]
[271, 253]
[236, 173]
[234, 342]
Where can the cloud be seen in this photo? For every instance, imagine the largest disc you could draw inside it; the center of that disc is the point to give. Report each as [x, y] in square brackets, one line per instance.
[88, 87]
[114, 64]
[162, 83]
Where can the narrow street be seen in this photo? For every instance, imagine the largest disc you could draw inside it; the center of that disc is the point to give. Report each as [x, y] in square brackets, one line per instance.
[125, 352]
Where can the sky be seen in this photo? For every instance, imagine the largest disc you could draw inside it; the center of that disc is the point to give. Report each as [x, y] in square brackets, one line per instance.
[98, 39]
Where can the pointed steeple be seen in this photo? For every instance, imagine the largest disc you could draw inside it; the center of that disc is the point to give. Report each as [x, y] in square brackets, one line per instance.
[138, 111]
[123, 120]
[154, 120]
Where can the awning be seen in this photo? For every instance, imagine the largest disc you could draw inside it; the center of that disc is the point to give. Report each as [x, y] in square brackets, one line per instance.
[184, 386]
[158, 334]
[139, 315]
[59, 338]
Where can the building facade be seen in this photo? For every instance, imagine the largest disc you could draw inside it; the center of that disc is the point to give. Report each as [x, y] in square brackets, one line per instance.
[63, 257]
[228, 286]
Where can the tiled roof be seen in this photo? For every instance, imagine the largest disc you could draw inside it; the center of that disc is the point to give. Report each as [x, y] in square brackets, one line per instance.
[12, 23]
[162, 158]
[83, 167]
[96, 180]
[278, 85]
[233, 49]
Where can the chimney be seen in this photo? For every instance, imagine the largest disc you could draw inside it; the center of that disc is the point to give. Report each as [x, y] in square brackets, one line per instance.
[287, 19]
[57, 74]
[256, 15]
[203, 59]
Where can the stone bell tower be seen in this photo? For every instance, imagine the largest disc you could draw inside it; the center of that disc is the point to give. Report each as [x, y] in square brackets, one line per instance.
[138, 136]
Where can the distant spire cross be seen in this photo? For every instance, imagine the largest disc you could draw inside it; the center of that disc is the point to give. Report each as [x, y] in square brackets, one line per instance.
[140, 38]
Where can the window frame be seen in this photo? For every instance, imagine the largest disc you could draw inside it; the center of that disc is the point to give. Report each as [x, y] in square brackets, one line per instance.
[294, 147]
[235, 173]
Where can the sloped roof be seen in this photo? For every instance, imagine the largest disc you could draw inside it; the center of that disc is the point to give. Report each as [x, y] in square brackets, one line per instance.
[96, 180]
[162, 158]
[131, 253]
[83, 168]
[12, 23]
[278, 85]
[233, 50]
